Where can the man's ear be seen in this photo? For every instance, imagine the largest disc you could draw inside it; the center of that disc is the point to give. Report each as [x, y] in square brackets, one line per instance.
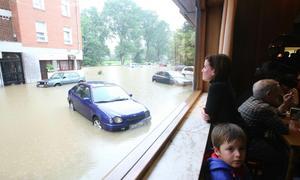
[217, 151]
[268, 93]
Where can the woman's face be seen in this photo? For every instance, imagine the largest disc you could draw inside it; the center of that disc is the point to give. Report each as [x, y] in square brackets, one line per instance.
[208, 72]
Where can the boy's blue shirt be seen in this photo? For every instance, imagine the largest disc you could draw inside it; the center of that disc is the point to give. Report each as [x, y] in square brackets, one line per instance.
[219, 170]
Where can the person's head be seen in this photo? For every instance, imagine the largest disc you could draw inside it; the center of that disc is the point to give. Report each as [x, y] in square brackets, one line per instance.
[229, 142]
[269, 91]
[216, 67]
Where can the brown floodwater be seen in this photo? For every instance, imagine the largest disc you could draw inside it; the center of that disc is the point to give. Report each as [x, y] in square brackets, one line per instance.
[41, 138]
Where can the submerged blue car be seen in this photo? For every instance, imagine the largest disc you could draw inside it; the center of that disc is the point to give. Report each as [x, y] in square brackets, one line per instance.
[107, 105]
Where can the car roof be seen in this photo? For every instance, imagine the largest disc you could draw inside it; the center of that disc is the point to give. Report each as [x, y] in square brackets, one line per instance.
[98, 83]
[188, 67]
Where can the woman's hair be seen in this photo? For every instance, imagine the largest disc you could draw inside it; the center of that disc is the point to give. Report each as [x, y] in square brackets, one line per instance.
[227, 132]
[221, 64]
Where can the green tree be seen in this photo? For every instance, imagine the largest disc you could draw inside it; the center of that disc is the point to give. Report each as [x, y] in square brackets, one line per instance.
[94, 35]
[156, 36]
[161, 40]
[149, 21]
[123, 19]
[184, 45]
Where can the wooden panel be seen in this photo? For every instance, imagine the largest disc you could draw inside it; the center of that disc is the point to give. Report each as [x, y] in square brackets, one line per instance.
[257, 24]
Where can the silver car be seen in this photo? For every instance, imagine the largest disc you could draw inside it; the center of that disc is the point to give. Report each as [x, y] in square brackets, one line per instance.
[62, 77]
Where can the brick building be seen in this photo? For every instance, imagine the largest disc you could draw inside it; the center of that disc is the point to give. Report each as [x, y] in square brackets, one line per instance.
[36, 35]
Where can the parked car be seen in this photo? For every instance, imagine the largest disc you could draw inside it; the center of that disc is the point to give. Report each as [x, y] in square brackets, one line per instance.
[170, 77]
[179, 67]
[62, 77]
[188, 70]
[107, 105]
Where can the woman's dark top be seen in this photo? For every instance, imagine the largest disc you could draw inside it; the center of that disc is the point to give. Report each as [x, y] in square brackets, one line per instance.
[220, 104]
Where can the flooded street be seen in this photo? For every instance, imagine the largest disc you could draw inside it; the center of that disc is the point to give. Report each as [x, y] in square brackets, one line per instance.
[41, 138]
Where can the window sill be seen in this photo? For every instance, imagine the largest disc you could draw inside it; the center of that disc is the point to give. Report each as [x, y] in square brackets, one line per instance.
[154, 156]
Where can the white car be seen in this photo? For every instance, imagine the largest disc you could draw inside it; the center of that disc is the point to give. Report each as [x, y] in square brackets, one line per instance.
[188, 70]
[171, 77]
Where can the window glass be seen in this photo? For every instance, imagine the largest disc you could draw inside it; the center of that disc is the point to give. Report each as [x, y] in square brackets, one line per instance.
[56, 76]
[115, 42]
[65, 7]
[189, 69]
[63, 65]
[39, 4]
[108, 93]
[41, 31]
[73, 75]
[67, 35]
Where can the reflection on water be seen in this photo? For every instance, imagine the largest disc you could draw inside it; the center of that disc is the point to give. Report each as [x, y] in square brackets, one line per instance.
[41, 138]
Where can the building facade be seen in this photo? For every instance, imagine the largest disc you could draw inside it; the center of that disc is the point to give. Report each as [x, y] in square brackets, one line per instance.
[37, 36]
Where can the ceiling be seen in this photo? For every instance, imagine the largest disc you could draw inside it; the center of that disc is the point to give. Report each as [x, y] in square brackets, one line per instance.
[187, 9]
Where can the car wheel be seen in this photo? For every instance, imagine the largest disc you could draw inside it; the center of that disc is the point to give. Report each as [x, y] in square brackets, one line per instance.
[71, 105]
[96, 122]
[57, 84]
[153, 80]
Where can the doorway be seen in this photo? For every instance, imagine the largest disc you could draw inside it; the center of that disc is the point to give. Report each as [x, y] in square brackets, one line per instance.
[12, 69]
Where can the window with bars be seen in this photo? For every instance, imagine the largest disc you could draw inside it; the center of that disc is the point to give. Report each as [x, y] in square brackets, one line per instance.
[65, 65]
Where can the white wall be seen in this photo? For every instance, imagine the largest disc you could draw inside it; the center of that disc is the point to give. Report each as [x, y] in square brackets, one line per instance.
[1, 78]
[52, 54]
[31, 67]
[32, 56]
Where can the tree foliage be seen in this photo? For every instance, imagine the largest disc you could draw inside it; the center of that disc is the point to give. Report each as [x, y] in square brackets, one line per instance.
[184, 45]
[156, 36]
[139, 35]
[123, 19]
[94, 35]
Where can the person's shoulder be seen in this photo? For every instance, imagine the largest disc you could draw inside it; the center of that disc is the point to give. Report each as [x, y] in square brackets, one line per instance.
[216, 163]
[218, 83]
[219, 169]
[256, 103]
[217, 86]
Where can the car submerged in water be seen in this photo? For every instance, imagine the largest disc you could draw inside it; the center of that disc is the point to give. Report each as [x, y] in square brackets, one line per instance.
[62, 77]
[107, 105]
[171, 77]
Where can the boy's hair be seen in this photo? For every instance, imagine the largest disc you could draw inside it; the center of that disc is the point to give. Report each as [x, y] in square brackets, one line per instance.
[227, 132]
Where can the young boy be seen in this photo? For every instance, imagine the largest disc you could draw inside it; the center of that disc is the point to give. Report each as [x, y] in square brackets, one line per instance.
[227, 161]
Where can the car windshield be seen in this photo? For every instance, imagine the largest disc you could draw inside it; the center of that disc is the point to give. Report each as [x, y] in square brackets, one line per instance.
[108, 94]
[176, 74]
[56, 76]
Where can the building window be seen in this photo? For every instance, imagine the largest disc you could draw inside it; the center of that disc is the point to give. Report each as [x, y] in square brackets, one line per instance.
[67, 35]
[65, 7]
[79, 64]
[39, 4]
[65, 65]
[41, 31]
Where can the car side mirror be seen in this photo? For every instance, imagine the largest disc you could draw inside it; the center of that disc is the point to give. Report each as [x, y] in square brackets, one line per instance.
[64, 77]
[130, 95]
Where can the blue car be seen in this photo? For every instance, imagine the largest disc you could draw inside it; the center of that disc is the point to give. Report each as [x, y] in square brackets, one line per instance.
[107, 105]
